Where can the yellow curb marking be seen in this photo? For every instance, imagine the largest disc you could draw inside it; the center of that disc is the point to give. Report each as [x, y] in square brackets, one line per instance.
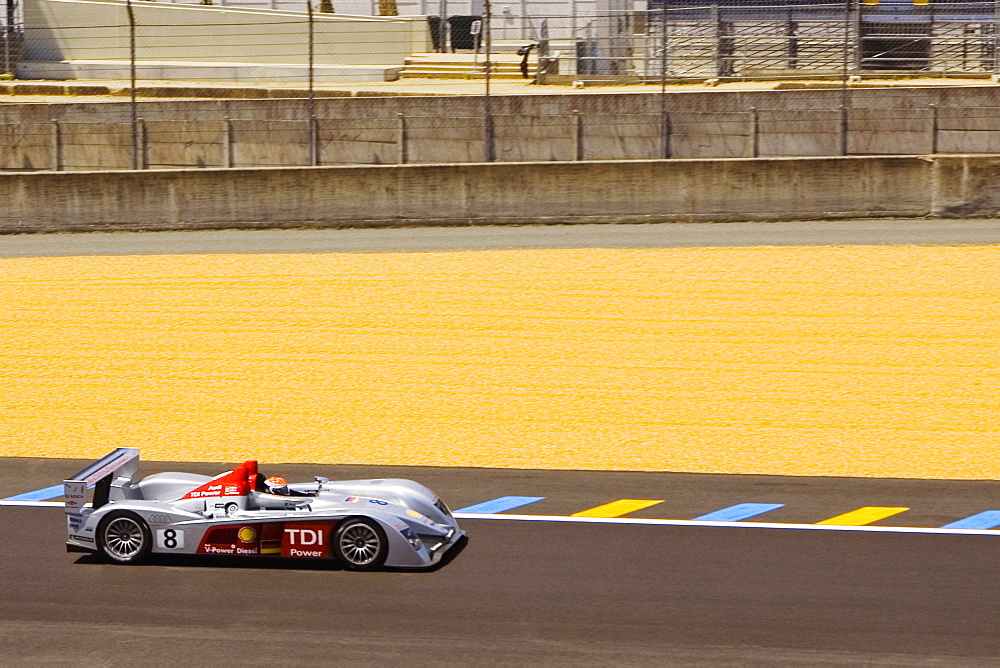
[616, 508]
[863, 516]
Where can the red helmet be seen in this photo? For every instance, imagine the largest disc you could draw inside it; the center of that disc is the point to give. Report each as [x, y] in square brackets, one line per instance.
[276, 485]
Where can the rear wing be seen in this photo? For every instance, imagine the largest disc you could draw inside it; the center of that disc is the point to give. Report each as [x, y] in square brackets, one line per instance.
[123, 461]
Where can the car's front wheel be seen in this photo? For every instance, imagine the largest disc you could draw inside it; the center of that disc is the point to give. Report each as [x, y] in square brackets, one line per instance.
[360, 545]
[124, 538]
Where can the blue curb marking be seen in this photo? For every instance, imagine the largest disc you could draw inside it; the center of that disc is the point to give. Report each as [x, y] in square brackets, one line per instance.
[984, 520]
[740, 511]
[500, 504]
[39, 494]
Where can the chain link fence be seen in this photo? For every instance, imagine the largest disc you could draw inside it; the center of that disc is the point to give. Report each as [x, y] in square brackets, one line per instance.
[754, 41]
[677, 40]
[294, 55]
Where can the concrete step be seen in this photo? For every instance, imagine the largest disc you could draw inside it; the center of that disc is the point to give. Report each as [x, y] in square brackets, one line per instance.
[417, 74]
[425, 72]
[451, 62]
[456, 67]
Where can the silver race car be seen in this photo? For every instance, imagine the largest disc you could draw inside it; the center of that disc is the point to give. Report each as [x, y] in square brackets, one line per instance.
[362, 524]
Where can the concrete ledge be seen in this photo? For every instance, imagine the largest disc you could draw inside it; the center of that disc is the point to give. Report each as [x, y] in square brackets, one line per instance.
[512, 193]
[204, 71]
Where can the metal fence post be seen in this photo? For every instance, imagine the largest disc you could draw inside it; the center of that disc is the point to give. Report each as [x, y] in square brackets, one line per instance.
[132, 103]
[844, 129]
[578, 132]
[792, 33]
[143, 144]
[665, 129]
[314, 145]
[488, 29]
[996, 37]
[489, 133]
[663, 56]
[854, 7]
[57, 149]
[717, 34]
[7, 32]
[845, 53]
[666, 135]
[934, 129]
[443, 26]
[754, 133]
[725, 46]
[312, 58]
[227, 142]
[401, 140]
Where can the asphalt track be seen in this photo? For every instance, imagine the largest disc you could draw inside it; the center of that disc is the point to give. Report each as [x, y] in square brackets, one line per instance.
[874, 232]
[528, 593]
[533, 593]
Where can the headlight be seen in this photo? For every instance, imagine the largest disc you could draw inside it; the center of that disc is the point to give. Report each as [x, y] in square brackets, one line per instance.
[414, 539]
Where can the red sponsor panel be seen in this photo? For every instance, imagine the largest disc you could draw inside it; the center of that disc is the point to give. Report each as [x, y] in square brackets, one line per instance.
[308, 540]
[236, 540]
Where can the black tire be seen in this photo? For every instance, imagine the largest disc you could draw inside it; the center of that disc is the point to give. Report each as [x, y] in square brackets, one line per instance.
[124, 538]
[360, 544]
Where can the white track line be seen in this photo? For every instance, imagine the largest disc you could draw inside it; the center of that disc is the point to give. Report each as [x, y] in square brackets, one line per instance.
[705, 523]
[32, 504]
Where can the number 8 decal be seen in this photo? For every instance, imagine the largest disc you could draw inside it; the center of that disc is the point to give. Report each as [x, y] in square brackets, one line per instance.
[169, 539]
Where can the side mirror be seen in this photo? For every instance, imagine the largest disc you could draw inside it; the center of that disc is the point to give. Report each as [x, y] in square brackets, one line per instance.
[320, 480]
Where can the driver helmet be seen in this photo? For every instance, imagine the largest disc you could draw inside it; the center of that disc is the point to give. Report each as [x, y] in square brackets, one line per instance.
[276, 485]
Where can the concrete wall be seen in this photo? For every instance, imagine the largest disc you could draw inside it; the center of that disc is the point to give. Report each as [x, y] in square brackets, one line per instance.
[658, 190]
[612, 126]
[276, 142]
[86, 30]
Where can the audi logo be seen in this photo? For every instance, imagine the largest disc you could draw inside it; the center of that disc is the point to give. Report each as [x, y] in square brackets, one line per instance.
[159, 519]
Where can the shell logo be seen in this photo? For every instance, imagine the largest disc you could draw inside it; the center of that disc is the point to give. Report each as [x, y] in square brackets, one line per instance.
[247, 534]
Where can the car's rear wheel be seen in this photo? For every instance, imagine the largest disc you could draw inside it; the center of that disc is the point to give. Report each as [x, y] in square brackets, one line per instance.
[361, 545]
[124, 538]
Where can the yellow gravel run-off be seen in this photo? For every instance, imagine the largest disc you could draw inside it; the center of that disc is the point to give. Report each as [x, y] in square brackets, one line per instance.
[846, 361]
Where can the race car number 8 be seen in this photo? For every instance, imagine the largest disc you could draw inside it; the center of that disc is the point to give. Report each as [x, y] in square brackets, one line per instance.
[170, 539]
